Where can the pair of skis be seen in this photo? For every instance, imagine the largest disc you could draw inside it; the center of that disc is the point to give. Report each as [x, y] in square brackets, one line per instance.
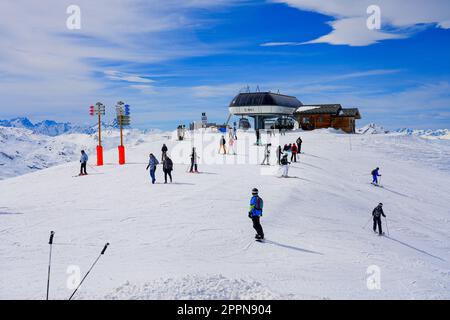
[50, 242]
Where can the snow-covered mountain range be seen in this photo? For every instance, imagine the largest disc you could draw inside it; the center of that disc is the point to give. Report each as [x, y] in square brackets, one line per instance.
[373, 128]
[53, 128]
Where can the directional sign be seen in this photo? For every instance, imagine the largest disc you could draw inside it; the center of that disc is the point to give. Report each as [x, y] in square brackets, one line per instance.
[98, 109]
[125, 120]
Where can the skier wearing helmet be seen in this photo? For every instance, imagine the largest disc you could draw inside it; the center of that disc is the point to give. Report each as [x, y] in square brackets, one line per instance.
[255, 213]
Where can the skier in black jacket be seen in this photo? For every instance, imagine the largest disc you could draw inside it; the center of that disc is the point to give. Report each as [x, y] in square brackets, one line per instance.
[376, 214]
[167, 168]
[299, 144]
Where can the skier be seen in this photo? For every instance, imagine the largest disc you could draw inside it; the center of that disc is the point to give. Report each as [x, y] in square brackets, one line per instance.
[164, 150]
[83, 160]
[222, 145]
[376, 214]
[299, 144]
[285, 165]
[152, 163]
[167, 168]
[194, 158]
[375, 176]
[279, 153]
[231, 146]
[266, 160]
[294, 153]
[255, 213]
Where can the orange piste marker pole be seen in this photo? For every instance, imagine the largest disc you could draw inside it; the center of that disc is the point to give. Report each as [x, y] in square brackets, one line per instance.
[99, 147]
[121, 147]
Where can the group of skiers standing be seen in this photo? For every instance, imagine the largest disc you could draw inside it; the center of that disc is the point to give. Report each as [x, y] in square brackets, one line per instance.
[166, 163]
[231, 144]
[288, 151]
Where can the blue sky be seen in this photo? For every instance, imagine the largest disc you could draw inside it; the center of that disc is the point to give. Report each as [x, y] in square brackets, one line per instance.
[171, 60]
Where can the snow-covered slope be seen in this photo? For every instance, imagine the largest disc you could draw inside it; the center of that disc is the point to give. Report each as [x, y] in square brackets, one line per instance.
[192, 238]
[22, 151]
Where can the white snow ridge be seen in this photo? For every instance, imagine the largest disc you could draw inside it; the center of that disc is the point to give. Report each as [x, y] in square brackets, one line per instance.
[216, 287]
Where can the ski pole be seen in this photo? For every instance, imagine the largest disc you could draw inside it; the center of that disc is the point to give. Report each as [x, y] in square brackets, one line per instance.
[50, 242]
[387, 227]
[92, 167]
[103, 252]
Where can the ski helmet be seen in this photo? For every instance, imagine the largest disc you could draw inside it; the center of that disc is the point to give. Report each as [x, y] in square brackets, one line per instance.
[255, 191]
[380, 204]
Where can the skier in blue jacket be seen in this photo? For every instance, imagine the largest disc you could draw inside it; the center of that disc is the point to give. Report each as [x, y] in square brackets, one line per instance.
[83, 160]
[375, 175]
[255, 213]
[152, 163]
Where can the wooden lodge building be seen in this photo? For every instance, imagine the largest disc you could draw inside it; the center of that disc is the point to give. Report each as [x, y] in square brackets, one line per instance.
[321, 116]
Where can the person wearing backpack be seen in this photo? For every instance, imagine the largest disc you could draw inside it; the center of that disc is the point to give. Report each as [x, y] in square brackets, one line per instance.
[294, 153]
[299, 144]
[377, 213]
[194, 159]
[285, 165]
[223, 142]
[255, 213]
[375, 176]
[167, 168]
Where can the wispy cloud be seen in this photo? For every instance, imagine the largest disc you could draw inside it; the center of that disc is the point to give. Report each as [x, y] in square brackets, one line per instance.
[127, 77]
[349, 25]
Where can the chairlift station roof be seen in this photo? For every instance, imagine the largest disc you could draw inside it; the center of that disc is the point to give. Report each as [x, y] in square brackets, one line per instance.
[263, 104]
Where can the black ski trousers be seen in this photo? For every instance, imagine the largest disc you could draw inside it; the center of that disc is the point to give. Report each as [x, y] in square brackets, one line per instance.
[167, 173]
[257, 226]
[377, 221]
[83, 168]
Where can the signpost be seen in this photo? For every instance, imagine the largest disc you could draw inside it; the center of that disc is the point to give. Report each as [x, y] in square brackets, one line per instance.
[204, 119]
[98, 110]
[123, 118]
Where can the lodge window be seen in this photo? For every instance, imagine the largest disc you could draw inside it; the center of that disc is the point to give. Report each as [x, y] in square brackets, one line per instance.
[305, 120]
[320, 119]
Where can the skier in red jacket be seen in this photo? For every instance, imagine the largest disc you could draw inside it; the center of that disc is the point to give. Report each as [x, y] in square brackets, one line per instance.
[294, 150]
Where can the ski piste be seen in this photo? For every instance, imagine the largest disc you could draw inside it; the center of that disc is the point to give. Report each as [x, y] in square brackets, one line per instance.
[204, 219]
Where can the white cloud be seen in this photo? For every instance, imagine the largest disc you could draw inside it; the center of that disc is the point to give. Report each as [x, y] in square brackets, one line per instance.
[127, 77]
[46, 67]
[349, 26]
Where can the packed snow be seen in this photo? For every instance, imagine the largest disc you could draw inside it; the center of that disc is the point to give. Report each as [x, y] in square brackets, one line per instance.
[192, 239]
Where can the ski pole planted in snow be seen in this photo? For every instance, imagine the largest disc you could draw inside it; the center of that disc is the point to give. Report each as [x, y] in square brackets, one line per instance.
[387, 228]
[50, 242]
[102, 253]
